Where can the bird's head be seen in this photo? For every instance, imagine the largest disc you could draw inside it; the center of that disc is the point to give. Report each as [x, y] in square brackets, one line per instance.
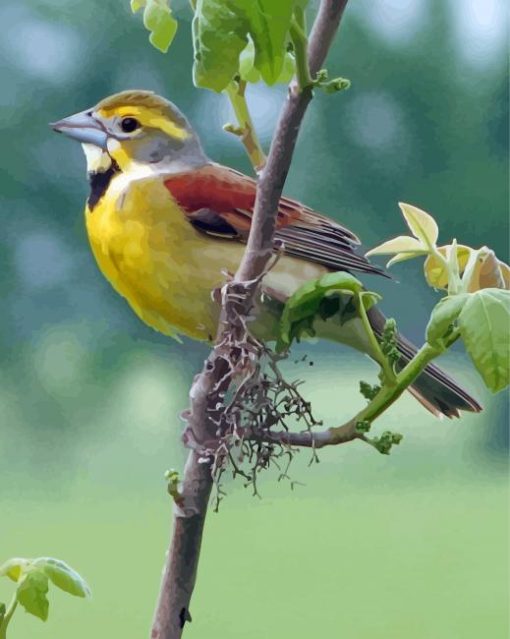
[133, 129]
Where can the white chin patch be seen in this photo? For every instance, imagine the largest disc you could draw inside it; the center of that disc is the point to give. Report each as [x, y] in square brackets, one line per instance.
[97, 159]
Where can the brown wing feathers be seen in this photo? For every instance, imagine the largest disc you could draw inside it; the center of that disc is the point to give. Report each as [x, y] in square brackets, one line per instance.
[220, 201]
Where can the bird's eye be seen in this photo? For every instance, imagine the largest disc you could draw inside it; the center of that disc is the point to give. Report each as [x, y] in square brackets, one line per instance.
[129, 124]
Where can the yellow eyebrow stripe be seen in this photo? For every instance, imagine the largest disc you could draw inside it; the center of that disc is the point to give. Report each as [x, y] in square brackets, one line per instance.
[148, 117]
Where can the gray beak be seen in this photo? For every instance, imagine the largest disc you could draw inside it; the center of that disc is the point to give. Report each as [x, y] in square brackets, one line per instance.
[82, 127]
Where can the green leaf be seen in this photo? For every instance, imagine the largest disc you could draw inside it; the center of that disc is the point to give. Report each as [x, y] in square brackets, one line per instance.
[484, 324]
[247, 69]
[269, 22]
[322, 298]
[249, 73]
[63, 576]
[31, 594]
[15, 568]
[158, 19]
[422, 225]
[340, 280]
[369, 299]
[219, 35]
[445, 313]
[222, 31]
[288, 70]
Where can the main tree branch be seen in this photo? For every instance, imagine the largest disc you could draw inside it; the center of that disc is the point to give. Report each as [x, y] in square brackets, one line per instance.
[226, 358]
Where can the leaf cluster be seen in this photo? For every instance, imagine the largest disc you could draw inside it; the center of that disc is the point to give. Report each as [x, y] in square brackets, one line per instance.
[255, 32]
[232, 39]
[477, 306]
[482, 319]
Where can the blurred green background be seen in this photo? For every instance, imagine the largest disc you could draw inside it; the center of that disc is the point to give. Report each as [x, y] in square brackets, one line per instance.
[414, 545]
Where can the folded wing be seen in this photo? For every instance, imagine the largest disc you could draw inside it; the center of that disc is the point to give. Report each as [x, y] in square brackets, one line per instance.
[219, 201]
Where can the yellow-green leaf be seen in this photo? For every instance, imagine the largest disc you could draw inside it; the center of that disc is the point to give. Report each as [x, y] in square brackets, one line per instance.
[479, 268]
[247, 69]
[435, 270]
[158, 19]
[220, 34]
[249, 73]
[443, 316]
[15, 568]
[401, 257]
[400, 244]
[63, 576]
[422, 225]
[31, 594]
[288, 69]
[268, 25]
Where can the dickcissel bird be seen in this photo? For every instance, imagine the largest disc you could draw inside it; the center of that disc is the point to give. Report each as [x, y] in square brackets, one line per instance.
[165, 223]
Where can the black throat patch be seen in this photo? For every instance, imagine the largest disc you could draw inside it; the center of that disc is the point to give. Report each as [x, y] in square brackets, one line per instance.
[99, 182]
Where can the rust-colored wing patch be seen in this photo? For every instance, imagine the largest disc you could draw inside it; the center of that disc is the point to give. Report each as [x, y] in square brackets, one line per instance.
[220, 201]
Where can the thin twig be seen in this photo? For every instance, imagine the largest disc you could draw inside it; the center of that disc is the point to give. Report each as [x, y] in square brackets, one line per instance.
[382, 360]
[348, 432]
[8, 616]
[300, 44]
[245, 130]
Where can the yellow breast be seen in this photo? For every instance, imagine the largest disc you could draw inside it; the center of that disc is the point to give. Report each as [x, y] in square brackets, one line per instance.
[154, 258]
[163, 266]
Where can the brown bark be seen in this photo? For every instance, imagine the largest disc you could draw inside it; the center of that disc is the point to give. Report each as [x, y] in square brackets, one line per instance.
[172, 610]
